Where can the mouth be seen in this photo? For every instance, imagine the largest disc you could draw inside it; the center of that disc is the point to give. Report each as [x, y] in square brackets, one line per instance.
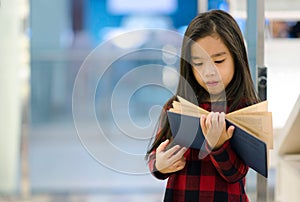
[212, 83]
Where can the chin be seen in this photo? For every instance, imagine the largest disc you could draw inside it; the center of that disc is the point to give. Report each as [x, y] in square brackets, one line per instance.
[217, 95]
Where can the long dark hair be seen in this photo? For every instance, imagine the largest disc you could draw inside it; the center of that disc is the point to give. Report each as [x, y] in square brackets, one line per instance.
[212, 23]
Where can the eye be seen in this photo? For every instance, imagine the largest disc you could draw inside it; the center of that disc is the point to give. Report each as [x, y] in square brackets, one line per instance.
[199, 64]
[219, 61]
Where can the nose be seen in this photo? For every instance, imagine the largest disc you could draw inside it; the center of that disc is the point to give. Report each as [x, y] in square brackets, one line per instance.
[210, 69]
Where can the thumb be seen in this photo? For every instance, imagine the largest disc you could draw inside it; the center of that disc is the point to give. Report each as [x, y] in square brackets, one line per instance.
[230, 131]
[163, 145]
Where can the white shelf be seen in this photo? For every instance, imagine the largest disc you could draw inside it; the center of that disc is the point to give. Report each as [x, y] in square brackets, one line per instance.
[288, 168]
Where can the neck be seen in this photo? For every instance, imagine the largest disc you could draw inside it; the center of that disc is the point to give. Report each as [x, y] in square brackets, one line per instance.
[221, 97]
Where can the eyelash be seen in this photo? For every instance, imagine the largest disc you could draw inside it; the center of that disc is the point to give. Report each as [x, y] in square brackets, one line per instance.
[217, 62]
[198, 64]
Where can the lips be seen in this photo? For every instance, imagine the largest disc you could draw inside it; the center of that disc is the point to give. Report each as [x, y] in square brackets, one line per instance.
[212, 83]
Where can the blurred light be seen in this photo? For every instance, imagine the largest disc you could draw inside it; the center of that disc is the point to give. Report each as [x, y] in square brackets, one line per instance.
[169, 54]
[23, 9]
[24, 74]
[122, 7]
[66, 38]
[170, 77]
[126, 39]
[146, 21]
[223, 6]
[24, 68]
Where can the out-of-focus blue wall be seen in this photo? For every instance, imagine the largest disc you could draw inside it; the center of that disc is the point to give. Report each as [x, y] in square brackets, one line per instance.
[58, 49]
[97, 16]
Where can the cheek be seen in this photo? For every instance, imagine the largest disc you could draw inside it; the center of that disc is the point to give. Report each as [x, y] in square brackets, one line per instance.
[227, 75]
[198, 77]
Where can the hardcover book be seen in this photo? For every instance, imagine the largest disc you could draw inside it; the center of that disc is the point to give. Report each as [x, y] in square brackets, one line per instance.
[251, 140]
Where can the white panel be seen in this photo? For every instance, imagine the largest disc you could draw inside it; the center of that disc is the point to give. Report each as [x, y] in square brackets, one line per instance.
[14, 58]
[275, 9]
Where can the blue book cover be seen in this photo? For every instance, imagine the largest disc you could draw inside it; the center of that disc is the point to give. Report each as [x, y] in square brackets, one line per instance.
[187, 132]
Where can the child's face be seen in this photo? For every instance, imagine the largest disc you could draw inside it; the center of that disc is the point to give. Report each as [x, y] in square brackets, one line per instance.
[212, 64]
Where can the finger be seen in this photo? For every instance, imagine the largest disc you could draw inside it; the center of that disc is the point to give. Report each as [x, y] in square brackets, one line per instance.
[178, 155]
[208, 120]
[222, 120]
[162, 146]
[172, 151]
[178, 165]
[215, 119]
[202, 123]
[179, 161]
[230, 131]
[222, 116]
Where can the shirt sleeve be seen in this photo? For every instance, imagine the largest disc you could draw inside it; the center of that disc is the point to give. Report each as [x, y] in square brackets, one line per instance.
[152, 168]
[228, 163]
[152, 156]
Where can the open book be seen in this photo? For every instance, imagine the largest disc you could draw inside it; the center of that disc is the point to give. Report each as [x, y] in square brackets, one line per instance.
[251, 140]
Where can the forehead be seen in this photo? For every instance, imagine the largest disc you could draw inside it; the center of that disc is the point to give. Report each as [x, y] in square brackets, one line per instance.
[208, 45]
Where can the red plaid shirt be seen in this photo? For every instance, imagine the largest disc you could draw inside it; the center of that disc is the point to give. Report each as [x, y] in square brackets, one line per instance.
[219, 177]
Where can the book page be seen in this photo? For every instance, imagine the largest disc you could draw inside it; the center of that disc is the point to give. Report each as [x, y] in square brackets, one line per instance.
[254, 119]
[185, 102]
[259, 124]
[187, 106]
[187, 112]
[259, 107]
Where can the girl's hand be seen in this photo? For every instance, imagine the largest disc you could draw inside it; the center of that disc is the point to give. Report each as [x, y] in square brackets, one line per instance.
[171, 160]
[214, 129]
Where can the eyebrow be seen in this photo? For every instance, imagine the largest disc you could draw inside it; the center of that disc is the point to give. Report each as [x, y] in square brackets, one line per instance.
[213, 55]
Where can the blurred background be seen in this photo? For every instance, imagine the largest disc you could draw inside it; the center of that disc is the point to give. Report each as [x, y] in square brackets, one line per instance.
[44, 45]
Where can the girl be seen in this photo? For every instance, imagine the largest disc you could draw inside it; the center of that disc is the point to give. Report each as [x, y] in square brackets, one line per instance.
[222, 70]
